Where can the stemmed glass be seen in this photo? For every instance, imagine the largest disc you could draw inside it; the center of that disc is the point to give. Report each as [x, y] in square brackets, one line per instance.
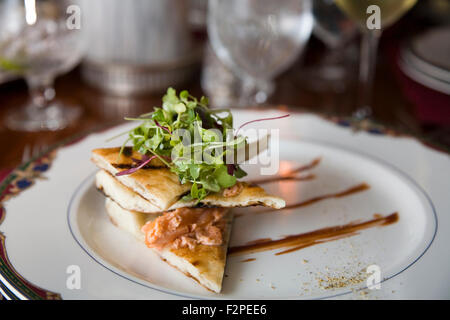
[40, 39]
[258, 39]
[367, 13]
[336, 31]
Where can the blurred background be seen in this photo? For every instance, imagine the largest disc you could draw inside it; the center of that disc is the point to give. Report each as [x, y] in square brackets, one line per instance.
[69, 67]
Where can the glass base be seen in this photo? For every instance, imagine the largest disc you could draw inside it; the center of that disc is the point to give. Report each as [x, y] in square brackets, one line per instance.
[56, 116]
[255, 92]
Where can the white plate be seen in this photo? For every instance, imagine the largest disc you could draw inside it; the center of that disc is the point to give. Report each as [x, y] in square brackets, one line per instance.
[61, 222]
[425, 59]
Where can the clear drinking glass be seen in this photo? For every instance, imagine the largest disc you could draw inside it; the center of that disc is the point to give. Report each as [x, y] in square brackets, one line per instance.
[258, 39]
[358, 10]
[38, 42]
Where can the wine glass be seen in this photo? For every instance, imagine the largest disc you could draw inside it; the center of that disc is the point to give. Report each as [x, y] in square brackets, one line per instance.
[258, 39]
[366, 13]
[40, 39]
[333, 70]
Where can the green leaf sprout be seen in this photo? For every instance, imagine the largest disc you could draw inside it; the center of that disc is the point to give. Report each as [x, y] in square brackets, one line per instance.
[200, 161]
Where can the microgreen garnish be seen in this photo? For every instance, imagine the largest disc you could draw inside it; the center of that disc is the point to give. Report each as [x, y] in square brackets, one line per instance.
[262, 119]
[160, 126]
[191, 140]
[141, 164]
[162, 134]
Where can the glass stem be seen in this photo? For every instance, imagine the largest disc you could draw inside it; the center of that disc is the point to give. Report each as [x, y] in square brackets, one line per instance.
[42, 92]
[248, 89]
[368, 59]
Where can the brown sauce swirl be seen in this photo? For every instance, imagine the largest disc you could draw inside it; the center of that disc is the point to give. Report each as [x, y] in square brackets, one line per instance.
[299, 241]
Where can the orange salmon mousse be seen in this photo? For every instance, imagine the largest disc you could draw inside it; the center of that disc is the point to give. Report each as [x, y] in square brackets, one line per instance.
[186, 227]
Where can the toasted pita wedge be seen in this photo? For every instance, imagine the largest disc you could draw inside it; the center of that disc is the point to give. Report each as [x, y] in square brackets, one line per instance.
[205, 264]
[251, 195]
[128, 220]
[128, 199]
[155, 183]
[158, 189]
[124, 196]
